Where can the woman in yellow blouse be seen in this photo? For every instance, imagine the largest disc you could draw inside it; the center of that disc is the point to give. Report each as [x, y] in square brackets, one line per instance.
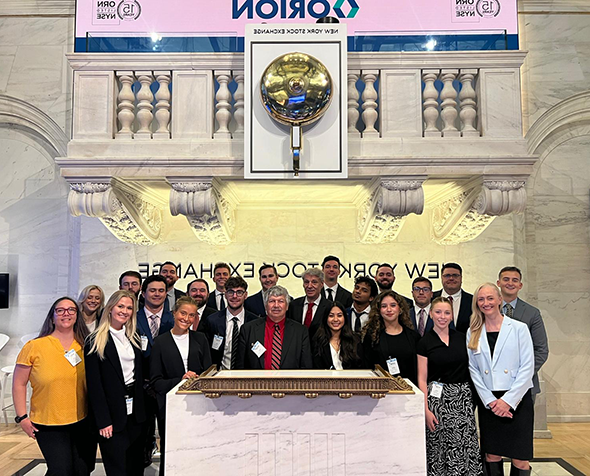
[54, 364]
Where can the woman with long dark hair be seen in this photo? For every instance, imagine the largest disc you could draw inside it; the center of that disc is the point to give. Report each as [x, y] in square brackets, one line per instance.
[443, 376]
[389, 338]
[502, 364]
[335, 345]
[54, 364]
[115, 386]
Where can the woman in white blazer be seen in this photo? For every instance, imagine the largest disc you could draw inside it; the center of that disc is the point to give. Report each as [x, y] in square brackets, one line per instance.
[502, 364]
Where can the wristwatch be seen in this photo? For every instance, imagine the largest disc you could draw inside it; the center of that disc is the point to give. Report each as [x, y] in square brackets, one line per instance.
[18, 419]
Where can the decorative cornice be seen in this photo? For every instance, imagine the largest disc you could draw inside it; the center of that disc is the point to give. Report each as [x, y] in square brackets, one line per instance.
[553, 6]
[501, 197]
[547, 131]
[61, 8]
[14, 111]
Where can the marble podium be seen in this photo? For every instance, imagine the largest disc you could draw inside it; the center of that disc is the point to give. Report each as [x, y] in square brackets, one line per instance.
[295, 435]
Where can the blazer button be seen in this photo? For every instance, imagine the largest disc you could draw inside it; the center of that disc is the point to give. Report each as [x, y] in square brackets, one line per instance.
[505, 371]
[487, 372]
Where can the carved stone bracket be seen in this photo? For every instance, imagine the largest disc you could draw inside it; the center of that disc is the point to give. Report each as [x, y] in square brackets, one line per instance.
[462, 212]
[208, 207]
[382, 213]
[130, 215]
[501, 197]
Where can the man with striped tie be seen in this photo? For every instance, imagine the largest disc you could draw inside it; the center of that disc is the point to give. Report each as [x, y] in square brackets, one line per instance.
[274, 343]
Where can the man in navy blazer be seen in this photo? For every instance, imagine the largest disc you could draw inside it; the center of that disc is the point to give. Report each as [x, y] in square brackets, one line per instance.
[219, 327]
[452, 279]
[260, 338]
[221, 274]
[510, 283]
[332, 290]
[268, 276]
[422, 294]
[364, 292]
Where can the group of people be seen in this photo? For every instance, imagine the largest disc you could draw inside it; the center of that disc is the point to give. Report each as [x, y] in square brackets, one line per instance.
[123, 357]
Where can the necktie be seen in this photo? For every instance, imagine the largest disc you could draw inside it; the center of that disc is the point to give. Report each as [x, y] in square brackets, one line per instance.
[308, 314]
[234, 343]
[450, 298]
[277, 347]
[421, 322]
[357, 321]
[330, 294]
[221, 302]
[154, 325]
[509, 310]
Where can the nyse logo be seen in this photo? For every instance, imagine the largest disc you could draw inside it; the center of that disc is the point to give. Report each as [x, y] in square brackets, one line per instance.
[488, 8]
[267, 9]
[105, 12]
[129, 10]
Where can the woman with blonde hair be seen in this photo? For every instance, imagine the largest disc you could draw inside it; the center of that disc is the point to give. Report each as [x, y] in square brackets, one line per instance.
[389, 338]
[91, 303]
[115, 386]
[502, 364]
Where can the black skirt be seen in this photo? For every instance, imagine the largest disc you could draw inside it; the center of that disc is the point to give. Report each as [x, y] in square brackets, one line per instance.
[509, 437]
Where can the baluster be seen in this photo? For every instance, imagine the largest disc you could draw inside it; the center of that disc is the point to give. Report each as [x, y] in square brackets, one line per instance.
[144, 105]
[448, 96]
[430, 103]
[369, 98]
[239, 104]
[125, 105]
[223, 97]
[163, 105]
[467, 102]
[353, 102]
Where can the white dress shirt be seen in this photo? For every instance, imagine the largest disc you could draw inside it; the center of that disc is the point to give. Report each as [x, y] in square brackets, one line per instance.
[334, 291]
[218, 297]
[364, 315]
[229, 327]
[158, 316]
[313, 310]
[126, 354]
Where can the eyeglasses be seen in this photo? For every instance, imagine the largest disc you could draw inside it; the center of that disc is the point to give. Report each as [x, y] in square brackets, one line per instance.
[419, 289]
[60, 311]
[232, 292]
[454, 275]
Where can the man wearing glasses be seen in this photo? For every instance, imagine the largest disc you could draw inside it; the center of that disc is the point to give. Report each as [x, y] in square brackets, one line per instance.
[420, 311]
[223, 327]
[452, 279]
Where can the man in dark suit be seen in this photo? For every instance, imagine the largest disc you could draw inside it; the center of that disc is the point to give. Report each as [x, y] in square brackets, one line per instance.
[221, 274]
[198, 289]
[170, 272]
[420, 311]
[268, 278]
[365, 291]
[274, 342]
[332, 290]
[223, 327]
[452, 279]
[385, 278]
[153, 319]
[510, 283]
[308, 309]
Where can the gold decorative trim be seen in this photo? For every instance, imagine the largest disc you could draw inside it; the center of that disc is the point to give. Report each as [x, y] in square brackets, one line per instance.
[213, 384]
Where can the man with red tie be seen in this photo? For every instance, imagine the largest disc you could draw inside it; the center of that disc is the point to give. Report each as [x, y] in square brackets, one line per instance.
[274, 343]
[308, 309]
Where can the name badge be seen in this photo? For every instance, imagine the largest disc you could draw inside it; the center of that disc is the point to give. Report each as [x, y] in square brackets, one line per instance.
[258, 349]
[144, 343]
[73, 358]
[217, 341]
[393, 366]
[129, 404]
[436, 390]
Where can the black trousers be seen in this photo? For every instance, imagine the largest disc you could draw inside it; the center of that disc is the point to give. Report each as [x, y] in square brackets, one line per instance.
[69, 450]
[122, 453]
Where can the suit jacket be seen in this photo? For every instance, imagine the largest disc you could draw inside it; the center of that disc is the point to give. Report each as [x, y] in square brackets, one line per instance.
[511, 368]
[212, 302]
[255, 304]
[296, 313]
[143, 327]
[343, 296]
[464, 317]
[296, 351]
[167, 367]
[349, 317]
[216, 324]
[323, 358]
[531, 316]
[106, 387]
[429, 323]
